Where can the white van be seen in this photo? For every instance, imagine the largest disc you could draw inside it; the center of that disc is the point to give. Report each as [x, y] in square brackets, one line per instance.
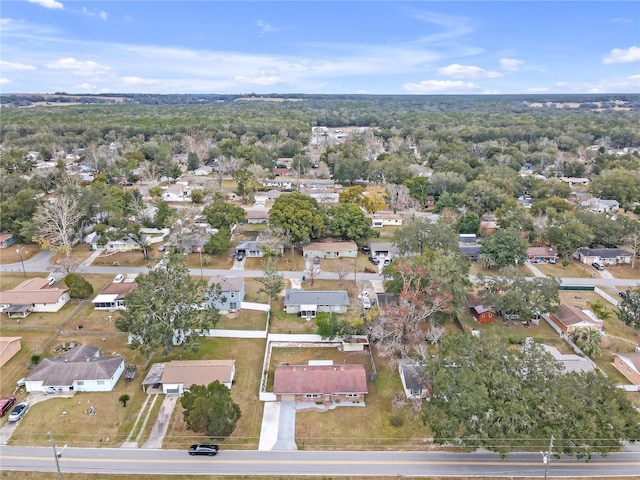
[598, 266]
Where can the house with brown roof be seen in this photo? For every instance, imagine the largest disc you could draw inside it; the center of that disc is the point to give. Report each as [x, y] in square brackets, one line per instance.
[569, 319]
[112, 297]
[320, 383]
[33, 295]
[80, 369]
[9, 346]
[176, 376]
[482, 313]
[330, 249]
[488, 224]
[628, 364]
[542, 254]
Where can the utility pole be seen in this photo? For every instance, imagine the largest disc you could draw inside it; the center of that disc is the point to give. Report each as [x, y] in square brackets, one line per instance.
[546, 457]
[19, 252]
[55, 454]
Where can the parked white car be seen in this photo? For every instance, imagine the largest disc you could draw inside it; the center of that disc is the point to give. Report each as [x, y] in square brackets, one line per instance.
[118, 278]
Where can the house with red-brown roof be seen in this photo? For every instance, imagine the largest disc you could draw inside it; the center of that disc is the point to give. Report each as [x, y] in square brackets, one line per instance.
[320, 383]
[628, 364]
[542, 254]
[482, 313]
[6, 240]
[33, 295]
[569, 319]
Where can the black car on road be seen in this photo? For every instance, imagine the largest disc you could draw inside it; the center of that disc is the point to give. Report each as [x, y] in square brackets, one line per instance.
[203, 449]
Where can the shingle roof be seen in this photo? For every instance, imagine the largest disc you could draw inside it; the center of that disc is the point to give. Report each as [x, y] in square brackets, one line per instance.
[331, 246]
[64, 371]
[414, 376]
[632, 359]
[604, 252]
[571, 315]
[316, 297]
[35, 290]
[198, 372]
[228, 284]
[324, 379]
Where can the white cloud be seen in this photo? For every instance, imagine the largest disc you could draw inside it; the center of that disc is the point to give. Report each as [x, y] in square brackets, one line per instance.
[93, 13]
[537, 90]
[467, 71]
[79, 67]
[439, 86]
[561, 84]
[266, 27]
[261, 80]
[511, 63]
[48, 4]
[4, 81]
[138, 81]
[15, 67]
[620, 55]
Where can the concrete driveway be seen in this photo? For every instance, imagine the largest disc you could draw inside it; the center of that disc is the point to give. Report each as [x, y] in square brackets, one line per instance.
[286, 427]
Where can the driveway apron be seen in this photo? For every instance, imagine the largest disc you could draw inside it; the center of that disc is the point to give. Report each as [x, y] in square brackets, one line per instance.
[286, 427]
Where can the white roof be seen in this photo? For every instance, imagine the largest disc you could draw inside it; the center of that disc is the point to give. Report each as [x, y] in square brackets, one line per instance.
[105, 298]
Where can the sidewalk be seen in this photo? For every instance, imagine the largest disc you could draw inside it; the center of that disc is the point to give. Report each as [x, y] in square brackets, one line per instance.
[95, 254]
[534, 270]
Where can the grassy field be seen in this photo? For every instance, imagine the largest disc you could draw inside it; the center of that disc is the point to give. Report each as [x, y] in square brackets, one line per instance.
[625, 271]
[243, 320]
[248, 355]
[11, 255]
[574, 270]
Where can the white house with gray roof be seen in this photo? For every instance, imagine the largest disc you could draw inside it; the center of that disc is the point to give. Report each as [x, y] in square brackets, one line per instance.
[307, 303]
[80, 369]
[607, 256]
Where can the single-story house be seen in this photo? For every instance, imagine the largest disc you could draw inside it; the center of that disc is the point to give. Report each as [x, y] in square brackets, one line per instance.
[572, 181]
[281, 172]
[471, 251]
[480, 312]
[154, 235]
[569, 319]
[488, 224]
[599, 205]
[112, 246]
[176, 376]
[414, 380]
[80, 369]
[542, 254]
[231, 293]
[255, 248]
[607, 256]
[330, 249]
[628, 364]
[6, 240]
[384, 249]
[112, 297]
[385, 219]
[257, 216]
[570, 361]
[178, 192]
[325, 198]
[281, 183]
[33, 295]
[307, 303]
[320, 383]
[9, 346]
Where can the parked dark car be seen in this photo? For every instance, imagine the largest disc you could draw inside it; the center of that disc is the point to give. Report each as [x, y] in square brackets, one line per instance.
[240, 256]
[365, 249]
[5, 405]
[203, 449]
[374, 260]
[18, 411]
[622, 294]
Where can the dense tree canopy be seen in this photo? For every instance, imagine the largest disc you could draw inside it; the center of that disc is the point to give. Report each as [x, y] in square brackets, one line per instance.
[505, 246]
[299, 216]
[210, 410]
[168, 308]
[348, 222]
[488, 393]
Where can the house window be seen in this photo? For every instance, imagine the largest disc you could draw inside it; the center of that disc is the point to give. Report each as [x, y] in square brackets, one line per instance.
[353, 395]
[312, 395]
[101, 382]
[233, 306]
[416, 391]
[80, 382]
[232, 294]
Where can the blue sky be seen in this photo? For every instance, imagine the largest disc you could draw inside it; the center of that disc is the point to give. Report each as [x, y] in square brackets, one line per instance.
[328, 47]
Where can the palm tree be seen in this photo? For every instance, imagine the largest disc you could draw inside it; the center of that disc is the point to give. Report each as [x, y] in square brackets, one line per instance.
[589, 340]
[123, 399]
[600, 310]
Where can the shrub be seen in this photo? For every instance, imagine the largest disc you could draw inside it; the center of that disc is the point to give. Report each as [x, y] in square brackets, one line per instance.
[397, 420]
[78, 286]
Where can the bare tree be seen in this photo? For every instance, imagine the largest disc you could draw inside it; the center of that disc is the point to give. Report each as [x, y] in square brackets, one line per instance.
[56, 223]
[149, 172]
[633, 240]
[312, 270]
[226, 166]
[342, 269]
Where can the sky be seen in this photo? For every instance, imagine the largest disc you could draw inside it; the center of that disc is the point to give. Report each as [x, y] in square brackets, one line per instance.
[325, 47]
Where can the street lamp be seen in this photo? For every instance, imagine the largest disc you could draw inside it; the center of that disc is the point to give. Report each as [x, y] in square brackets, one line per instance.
[19, 252]
[56, 454]
[546, 457]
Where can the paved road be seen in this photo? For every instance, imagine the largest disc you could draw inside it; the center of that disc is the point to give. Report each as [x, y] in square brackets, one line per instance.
[40, 263]
[251, 462]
